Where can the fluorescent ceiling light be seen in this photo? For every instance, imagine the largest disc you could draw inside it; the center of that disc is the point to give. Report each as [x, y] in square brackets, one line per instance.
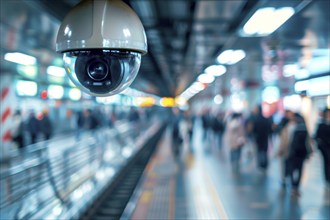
[319, 86]
[314, 87]
[218, 99]
[230, 57]
[301, 86]
[115, 99]
[205, 78]
[198, 86]
[56, 71]
[180, 101]
[292, 103]
[271, 94]
[29, 71]
[136, 93]
[301, 74]
[74, 94]
[26, 88]
[290, 70]
[186, 96]
[194, 90]
[20, 58]
[216, 70]
[266, 20]
[319, 65]
[55, 92]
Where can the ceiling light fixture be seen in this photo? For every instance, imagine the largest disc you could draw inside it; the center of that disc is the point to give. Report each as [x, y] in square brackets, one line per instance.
[55, 91]
[26, 88]
[56, 71]
[216, 70]
[193, 90]
[198, 86]
[231, 57]
[266, 20]
[20, 58]
[290, 70]
[205, 78]
[75, 94]
[218, 99]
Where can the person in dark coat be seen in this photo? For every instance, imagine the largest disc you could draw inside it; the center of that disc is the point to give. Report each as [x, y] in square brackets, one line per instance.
[177, 138]
[46, 125]
[205, 123]
[218, 129]
[86, 122]
[261, 129]
[17, 130]
[322, 138]
[133, 115]
[33, 127]
[80, 124]
[299, 150]
[284, 121]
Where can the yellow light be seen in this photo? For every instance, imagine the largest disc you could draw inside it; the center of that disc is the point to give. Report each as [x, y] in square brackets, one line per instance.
[167, 102]
[328, 101]
[68, 70]
[145, 101]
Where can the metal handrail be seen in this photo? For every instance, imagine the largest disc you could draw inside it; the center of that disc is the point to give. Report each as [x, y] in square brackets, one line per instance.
[47, 171]
[20, 182]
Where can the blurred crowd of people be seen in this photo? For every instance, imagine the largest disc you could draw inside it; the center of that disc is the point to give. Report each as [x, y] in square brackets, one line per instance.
[30, 128]
[289, 140]
[33, 128]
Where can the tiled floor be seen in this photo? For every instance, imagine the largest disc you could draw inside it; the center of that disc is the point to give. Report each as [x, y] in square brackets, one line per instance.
[202, 185]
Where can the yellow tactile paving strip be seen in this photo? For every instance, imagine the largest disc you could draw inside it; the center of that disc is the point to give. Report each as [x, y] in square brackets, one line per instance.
[158, 200]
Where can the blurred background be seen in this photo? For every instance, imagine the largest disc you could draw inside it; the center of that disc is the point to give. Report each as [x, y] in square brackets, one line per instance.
[207, 60]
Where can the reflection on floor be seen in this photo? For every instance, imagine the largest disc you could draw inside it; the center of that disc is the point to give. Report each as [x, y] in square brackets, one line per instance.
[202, 185]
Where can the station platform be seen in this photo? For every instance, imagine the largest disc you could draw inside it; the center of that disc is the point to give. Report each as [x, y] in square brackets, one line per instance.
[202, 185]
[70, 180]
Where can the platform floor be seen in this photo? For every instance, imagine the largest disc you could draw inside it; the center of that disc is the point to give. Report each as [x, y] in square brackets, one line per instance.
[202, 185]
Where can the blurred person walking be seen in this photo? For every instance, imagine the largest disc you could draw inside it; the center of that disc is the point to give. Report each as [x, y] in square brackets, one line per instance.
[89, 121]
[177, 137]
[261, 129]
[86, 122]
[299, 150]
[46, 125]
[205, 117]
[17, 130]
[322, 138]
[235, 137]
[186, 128]
[112, 119]
[284, 121]
[286, 135]
[218, 129]
[80, 124]
[133, 115]
[33, 127]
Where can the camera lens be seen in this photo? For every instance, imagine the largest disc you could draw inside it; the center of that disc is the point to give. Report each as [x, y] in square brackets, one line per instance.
[97, 69]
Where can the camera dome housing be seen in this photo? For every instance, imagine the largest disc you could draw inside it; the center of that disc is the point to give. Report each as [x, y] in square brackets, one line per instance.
[102, 42]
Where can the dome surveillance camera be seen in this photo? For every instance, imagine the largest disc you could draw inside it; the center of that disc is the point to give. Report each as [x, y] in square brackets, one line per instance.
[102, 42]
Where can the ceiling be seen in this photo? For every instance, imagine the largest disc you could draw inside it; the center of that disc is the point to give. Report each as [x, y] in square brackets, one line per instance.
[184, 36]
